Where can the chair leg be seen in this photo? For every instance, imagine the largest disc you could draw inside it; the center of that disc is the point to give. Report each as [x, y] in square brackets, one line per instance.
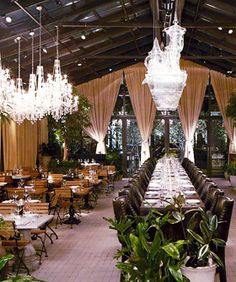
[43, 250]
[21, 261]
[53, 232]
[222, 271]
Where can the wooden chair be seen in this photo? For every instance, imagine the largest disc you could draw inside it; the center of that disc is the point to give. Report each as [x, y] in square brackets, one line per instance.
[39, 233]
[11, 191]
[7, 208]
[57, 179]
[38, 193]
[11, 241]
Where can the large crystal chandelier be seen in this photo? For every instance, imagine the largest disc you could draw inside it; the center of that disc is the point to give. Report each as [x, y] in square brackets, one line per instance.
[164, 77]
[60, 90]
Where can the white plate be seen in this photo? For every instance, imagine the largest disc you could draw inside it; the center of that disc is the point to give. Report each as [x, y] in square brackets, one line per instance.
[189, 192]
[150, 201]
[192, 201]
[34, 201]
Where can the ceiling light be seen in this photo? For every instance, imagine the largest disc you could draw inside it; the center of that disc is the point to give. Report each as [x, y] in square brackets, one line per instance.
[8, 19]
[229, 71]
[79, 64]
[110, 69]
[45, 50]
[31, 33]
[83, 37]
[220, 28]
[163, 69]
[230, 31]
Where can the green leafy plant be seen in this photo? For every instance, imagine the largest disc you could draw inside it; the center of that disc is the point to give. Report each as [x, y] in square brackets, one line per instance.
[147, 254]
[70, 128]
[202, 239]
[231, 107]
[22, 278]
[230, 169]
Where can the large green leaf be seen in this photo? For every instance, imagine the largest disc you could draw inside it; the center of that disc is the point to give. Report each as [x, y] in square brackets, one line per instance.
[205, 231]
[203, 251]
[213, 223]
[218, 242]
[196, 236]
[4, 260]
[172, 251]
[176, 273]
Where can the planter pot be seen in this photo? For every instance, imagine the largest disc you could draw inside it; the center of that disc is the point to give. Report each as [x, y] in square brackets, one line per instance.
[226, 175]
[232, 179]
[205, 273]
[45, 161]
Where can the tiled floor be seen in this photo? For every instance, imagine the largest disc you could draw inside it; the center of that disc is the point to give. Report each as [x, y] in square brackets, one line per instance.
[84, 253]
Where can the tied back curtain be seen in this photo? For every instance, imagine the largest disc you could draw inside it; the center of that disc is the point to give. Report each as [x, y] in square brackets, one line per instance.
[143, 105]
[19, 144]
[223, 86]
[102, 94]
[191, 102]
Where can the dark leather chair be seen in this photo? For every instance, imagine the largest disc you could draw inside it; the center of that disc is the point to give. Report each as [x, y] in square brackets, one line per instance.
[122, 208]
[134, 196]
[212, 198]
[185, 163]
[205, 190]
[223, 209]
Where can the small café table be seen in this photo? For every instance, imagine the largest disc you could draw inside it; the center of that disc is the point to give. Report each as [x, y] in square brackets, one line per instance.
[25, 224]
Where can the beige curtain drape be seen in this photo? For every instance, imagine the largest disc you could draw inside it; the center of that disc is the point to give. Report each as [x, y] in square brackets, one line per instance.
[191, 102]
[19, 144]
[143, 105]
[43, 131]
[102, 94]
[223, 86]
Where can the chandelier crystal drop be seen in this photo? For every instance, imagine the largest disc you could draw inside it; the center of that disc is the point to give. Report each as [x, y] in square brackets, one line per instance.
[60, 90]
[164, 77]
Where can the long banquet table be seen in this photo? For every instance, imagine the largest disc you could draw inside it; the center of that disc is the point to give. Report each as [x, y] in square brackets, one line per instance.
[168, 180]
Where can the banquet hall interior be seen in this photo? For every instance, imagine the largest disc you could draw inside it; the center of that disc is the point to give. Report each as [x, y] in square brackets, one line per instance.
[117, 140]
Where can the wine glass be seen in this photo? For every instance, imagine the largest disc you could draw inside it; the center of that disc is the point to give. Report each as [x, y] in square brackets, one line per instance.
[15, 196]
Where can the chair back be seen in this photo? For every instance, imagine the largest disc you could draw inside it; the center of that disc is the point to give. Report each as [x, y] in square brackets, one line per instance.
[223, 209]
[7, 229]
[205, 190]
[212, 197]
[121, 207]
[18, 191]
[39, 208]
[7, 208]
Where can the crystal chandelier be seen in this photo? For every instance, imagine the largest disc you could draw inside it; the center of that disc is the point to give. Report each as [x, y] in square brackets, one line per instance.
[7, 86]
[42, 98]
[60, 90]
[16, 96]
[164, 77]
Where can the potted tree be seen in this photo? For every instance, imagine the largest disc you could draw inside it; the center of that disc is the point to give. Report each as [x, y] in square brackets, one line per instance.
[202, 240]
[69, 128]
[231, 171]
